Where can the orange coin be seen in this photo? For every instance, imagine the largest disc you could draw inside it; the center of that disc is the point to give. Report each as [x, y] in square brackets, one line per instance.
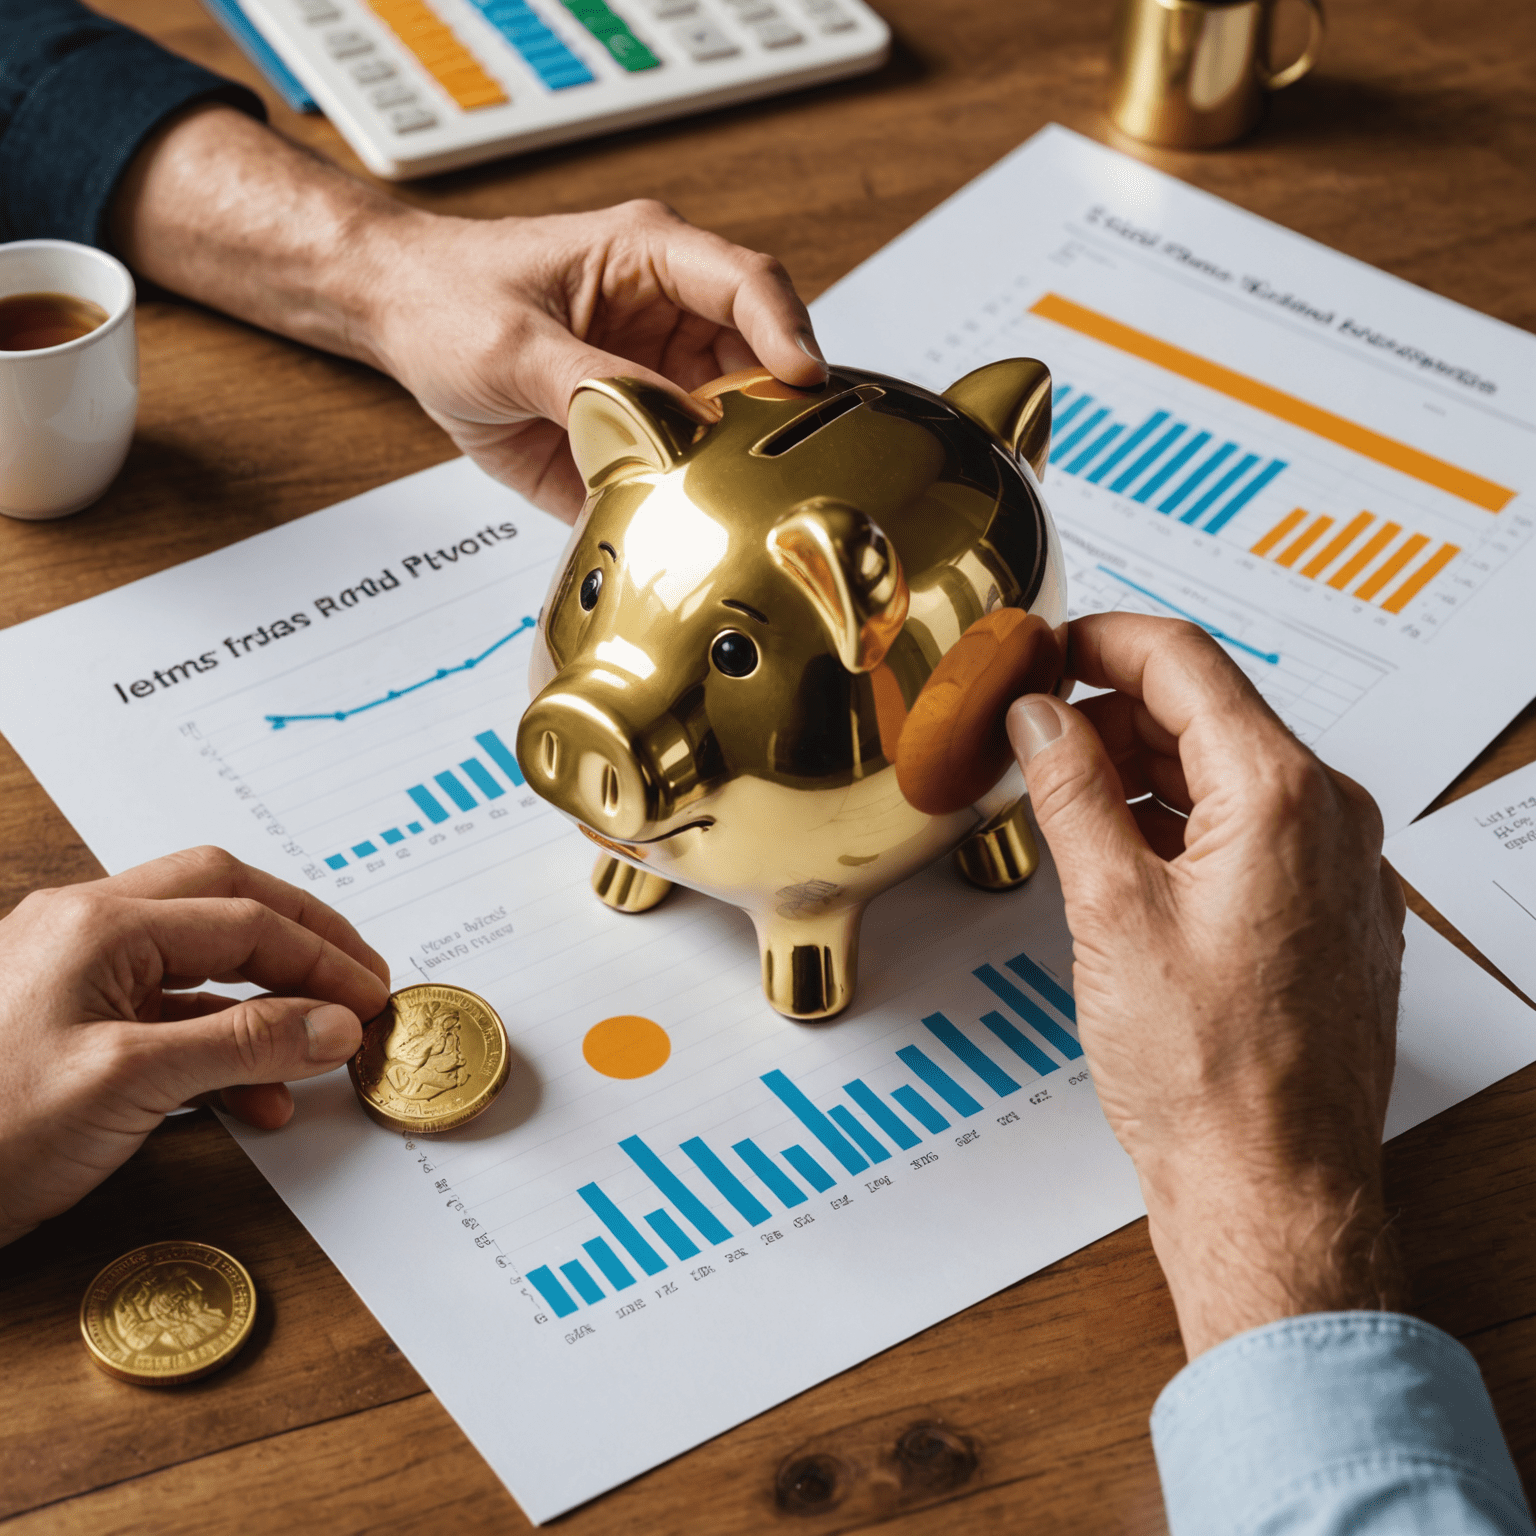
[626, 1046]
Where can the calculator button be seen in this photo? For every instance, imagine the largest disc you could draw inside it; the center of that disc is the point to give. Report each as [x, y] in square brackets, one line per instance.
[830, 16]
[753, 10]
[317, 11]
[703, 41]
[671, 10]
[371, 71]
[544, 53]
[446, 58]
[409, 119]
[392, 95]
[777, 34]
[347, 44]
[613, 33]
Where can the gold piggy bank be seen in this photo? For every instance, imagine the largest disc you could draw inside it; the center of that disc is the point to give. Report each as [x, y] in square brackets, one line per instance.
[775, 663]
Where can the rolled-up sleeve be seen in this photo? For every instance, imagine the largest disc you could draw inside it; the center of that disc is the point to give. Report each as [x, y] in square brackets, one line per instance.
[1336, 1424]
[78, 95]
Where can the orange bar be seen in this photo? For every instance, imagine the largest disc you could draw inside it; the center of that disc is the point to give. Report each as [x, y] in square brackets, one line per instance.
[1421, 578]
[1363, 556]
[1314, 531]
[1337, 545]
[446, 59]
[1375, 582]
[1226, 381]
[1278, 532]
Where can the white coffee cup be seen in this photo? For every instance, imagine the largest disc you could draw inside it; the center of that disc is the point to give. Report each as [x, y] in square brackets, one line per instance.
[66, 412]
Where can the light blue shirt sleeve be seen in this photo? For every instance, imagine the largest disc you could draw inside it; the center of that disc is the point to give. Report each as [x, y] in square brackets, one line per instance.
[1336, 1424]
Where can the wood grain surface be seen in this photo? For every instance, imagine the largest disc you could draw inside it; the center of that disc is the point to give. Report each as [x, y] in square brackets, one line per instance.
[1413, 148]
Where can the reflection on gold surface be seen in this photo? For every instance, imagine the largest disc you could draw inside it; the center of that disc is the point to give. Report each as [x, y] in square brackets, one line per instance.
[774, 663]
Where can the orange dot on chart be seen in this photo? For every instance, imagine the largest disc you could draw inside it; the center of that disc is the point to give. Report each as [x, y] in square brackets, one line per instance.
[626, 1046]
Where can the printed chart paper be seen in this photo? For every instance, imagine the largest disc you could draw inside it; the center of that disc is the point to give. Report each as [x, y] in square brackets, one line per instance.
[1327, 467]
[1475, 860]
[599, 1272]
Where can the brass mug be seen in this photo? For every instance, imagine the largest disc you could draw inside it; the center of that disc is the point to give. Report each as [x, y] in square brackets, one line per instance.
[1196, 73]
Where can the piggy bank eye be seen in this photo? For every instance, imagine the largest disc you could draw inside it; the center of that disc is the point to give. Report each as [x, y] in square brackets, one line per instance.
[591, 585]
[734, 654]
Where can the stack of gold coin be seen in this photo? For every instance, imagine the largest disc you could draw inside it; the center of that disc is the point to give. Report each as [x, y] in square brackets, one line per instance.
[434, 1059]
[168, 1313]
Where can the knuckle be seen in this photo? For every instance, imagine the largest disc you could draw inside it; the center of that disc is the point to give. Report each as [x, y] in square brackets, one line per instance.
[651, 210]
[208, 861]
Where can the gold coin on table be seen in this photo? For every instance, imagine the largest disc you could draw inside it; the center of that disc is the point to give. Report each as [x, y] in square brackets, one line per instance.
[434, 1059]
[168, 1313]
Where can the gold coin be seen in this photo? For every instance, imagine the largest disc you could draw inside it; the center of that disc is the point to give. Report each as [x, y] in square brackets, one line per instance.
[168, 1313]
[434, 1059]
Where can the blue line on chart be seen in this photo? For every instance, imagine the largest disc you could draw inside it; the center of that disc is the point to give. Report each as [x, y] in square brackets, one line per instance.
[1272, 657]
[279, 721]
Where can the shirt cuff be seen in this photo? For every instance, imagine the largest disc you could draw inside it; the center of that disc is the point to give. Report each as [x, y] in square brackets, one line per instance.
[1316, 1422]
[74, 133]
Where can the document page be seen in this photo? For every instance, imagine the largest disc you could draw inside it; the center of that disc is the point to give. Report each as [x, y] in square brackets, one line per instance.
[1475, 860]
[633, 1249]
[1327, 468]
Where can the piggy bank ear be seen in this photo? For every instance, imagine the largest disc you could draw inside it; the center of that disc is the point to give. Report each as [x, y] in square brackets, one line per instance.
[1012, 400]
[851, 574]
[621, 423]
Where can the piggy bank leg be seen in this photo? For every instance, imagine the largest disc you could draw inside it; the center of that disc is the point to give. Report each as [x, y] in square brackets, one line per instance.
[625, 888]
[810, 965]
[1001, 855]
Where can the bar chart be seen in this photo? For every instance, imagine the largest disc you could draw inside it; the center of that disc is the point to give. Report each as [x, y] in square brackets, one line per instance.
[950, 1077]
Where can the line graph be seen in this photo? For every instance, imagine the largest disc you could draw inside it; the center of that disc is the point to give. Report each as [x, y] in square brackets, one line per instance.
[280, 722]
[1272, 657]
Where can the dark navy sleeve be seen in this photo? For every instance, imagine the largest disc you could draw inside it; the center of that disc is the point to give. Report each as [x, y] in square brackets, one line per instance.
[78, 95]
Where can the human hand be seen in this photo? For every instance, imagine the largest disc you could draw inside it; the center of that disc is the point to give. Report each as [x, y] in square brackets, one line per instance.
[100, 1040]
[1236, 973]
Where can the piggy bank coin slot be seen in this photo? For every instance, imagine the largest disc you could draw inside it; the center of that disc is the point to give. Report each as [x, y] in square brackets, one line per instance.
[802, 427]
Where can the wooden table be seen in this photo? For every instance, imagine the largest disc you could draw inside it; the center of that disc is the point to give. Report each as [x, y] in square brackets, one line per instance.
[1412, 149]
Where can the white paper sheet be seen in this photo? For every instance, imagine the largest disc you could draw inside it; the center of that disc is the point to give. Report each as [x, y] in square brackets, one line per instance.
[1475, 861]
[1438, 402]
[441, 1237]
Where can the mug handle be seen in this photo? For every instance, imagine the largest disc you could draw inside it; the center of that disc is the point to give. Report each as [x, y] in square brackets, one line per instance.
[1295, 70]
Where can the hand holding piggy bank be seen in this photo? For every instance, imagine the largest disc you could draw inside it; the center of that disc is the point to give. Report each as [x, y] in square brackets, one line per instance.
[775, 664]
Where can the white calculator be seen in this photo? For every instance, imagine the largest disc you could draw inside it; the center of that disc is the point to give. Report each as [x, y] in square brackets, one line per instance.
[418, 86]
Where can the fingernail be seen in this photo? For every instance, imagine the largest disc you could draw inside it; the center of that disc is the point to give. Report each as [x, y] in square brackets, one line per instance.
[807, 344]
[1032, 726]
[333, 1032]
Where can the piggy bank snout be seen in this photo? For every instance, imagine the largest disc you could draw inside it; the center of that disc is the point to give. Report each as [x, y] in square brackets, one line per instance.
[579, 756]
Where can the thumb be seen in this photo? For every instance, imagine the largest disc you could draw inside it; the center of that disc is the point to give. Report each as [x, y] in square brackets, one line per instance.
[260, 1040]
[1077, 796]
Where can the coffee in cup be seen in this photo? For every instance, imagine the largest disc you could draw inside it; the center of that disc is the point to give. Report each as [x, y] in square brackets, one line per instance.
[31, 321]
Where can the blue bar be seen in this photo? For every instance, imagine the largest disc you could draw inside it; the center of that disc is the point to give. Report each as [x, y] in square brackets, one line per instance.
[1129, 446]
[1150, 457]
[455, 791]
[582, 1282]
[814, 1121]
[495, 749]
[393, 835]
[671, 1234]
[1030, 1011]
[480, 776]
[413, 827]
[552, 1291]
[888, 1121]
[1043, 983]
[769, 1172]
[808, 1168]
[336, 861]
[1194, 477]
[939, 1080]
[623, 1229]
[1077, 434]
[1172, 467]
[1059, 394]
[1220, 489]
[1020, 1044]
[973, 1056]
[740, 1197]
[363, 849]
[1060, 424]
[674, 1189]
[1094, 449]
[1244, 496]
[426, 802]
[608, 1261]
[920, 1109]
[845, 1118]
